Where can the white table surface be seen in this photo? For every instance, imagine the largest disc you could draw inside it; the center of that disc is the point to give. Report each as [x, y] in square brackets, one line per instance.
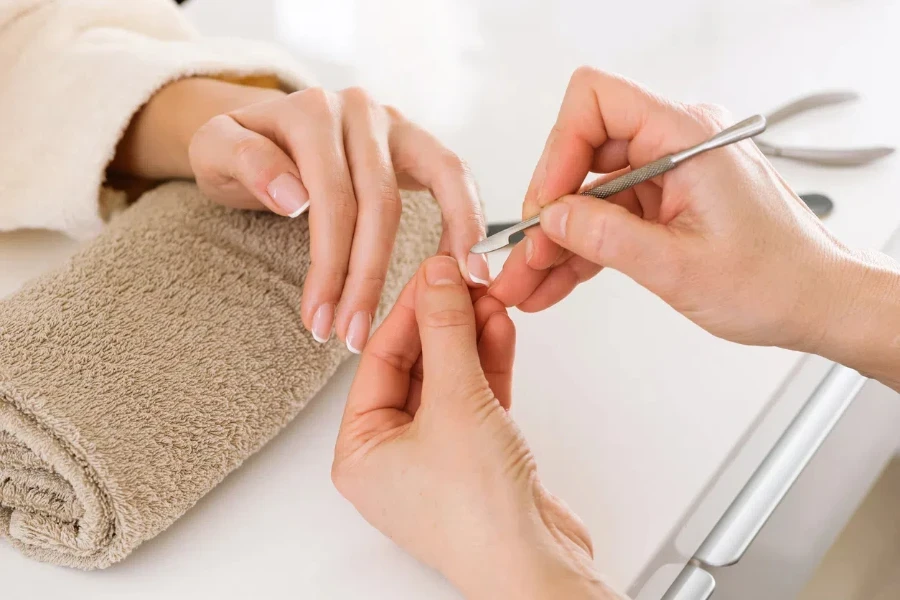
[631, 410]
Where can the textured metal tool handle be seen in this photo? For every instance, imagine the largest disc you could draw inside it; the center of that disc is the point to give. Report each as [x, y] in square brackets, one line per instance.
[620, 184]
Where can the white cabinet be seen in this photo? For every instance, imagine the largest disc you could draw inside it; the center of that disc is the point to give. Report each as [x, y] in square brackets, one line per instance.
[806, 522]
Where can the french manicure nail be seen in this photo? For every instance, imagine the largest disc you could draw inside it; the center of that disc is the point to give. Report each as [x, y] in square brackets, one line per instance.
[358, 332]
[289, 194]
[322, 323]
[553, 220]
[440, 271]
[529, 249]
[477, 266]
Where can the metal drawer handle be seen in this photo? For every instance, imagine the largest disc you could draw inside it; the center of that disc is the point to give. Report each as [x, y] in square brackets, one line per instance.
[743, 520]
[693, 583]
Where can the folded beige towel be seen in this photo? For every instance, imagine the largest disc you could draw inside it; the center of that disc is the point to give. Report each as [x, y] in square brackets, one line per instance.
[160, 357]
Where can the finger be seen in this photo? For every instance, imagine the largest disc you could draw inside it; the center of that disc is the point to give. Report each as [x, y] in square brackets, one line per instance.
[496, 347]
[375, 188]
[243, 169]
[516, 281]
[309, 126]
[599, 107]
[607, 234]
[611, 156]
[542, 253]
[592, 99]
[420, 155]
[559, 283]
[446, 321]
[383, 376]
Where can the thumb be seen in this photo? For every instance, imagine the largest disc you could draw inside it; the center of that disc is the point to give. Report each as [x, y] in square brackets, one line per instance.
[446, 320]
[609, 235]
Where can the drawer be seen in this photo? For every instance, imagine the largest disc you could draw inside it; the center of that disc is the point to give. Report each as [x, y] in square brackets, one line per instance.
[773, 535]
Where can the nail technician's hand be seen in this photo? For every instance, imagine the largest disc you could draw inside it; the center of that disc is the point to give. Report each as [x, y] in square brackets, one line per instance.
[343, 157]
[429, 455]
[721, 238]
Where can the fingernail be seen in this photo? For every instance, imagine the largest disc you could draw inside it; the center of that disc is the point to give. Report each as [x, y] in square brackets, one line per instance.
[477, 267]
[529, 249]
[553, 220]
[322, 322]
[440, 271]
[289, 194]
[358, 333]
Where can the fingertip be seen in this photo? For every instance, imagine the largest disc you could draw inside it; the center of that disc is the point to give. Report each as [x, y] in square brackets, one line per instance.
[555, 219]
[507, 328]
[441, 271]
[288, 195]
[485, 308]
[499, 327]
[476, 270]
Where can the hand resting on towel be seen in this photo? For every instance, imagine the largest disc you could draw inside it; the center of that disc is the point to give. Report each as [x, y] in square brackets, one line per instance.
[339, 155]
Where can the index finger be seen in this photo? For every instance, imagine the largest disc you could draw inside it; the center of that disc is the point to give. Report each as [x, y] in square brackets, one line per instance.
[597, 107]
[420, 155]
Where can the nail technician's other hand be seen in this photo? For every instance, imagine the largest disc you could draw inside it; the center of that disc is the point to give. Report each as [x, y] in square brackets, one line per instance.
[343, 157]
[721, 238]
[429, 455]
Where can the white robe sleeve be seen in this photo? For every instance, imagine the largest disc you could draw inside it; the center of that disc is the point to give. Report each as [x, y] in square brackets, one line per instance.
[72, 75]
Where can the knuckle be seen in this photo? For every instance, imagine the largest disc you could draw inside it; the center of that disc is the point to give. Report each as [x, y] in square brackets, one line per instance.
[205, 135]
[389, 203]
[598, 246]
[217, 123]
[371, 280]
[448, 318]
[247, 151]
[711, 118]
[474, 220]
[344, 207]
[315, 100]
[584, 75]
[357, 96]
[330, 276]
[394, 114]
[453, 166]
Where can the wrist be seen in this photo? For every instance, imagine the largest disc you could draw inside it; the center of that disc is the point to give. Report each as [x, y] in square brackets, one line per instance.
[155, 145]
[538, 576]
[543, 565]
[859, 327]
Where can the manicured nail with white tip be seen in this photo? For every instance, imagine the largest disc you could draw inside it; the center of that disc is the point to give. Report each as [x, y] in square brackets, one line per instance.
[289, 195]
[358, 332]
[322, 322]
[477, 268]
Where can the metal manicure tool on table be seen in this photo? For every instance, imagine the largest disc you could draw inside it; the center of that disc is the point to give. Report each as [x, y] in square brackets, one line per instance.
[740, 131]
[829, 157]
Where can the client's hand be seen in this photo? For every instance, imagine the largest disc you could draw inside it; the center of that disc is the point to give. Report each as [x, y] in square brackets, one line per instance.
[341, 156]
[429, 455]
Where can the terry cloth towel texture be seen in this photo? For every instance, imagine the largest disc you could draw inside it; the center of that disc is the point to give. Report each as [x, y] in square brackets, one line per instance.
[167, 351]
